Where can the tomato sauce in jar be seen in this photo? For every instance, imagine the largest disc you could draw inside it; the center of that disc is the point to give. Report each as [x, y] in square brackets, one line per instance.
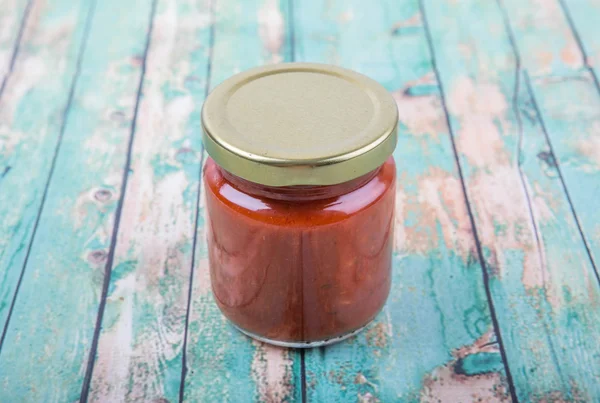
[300, 210]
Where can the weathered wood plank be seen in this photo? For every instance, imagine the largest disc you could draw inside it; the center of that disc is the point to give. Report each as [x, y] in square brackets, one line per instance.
[571, 112]
[569, 109]
[13, 16]
[569, 103]
[584, 16]
[31, 111]
[434, 340]
[47, 343]
[140, 348]
[573, 120]
[548, 45]
[222, 364]
[541, 279]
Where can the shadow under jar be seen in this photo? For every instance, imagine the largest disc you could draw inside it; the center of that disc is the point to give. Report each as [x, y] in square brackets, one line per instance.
[300, 192]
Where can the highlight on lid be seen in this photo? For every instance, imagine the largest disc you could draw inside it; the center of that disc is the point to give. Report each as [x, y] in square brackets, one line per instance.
[300, 189]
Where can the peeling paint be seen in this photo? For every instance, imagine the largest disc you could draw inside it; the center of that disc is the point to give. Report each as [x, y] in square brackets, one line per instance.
[589, 148]
[480, 109]
[538, 17]
[439, 200]
[272, 372]
[346, 16]
[9, 28]
[444, 385]
[422, 115]
[114, 350]
[503, 219]
[475, 374]
[378, 335]
[405, 26]
[486, 343]
[399, 230]
[367, 398]
[271, 28]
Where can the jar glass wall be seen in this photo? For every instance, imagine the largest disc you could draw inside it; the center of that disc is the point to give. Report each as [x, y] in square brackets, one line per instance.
[300, 265]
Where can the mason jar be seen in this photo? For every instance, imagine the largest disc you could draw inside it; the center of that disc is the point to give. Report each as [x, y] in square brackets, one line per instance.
[300, 189]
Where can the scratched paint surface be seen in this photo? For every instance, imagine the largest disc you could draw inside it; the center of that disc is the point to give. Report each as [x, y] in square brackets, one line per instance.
[495, 291]
[584, 15]
[12, 15]
[139, 355]
[573, 130]
[47, 341]
[527, 232]
[31, 106]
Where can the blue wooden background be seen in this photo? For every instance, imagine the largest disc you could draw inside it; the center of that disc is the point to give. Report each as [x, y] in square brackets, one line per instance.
[104, 285]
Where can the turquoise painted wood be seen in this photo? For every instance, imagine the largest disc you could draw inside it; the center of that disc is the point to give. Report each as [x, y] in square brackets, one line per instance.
[48, 338]
[569, 103]
[140, 349]
[32, 105]
[104, 281]
[222, 364]
[437, 320]
[13, 15]
[583, 15]
[571, 112]
[541, 278]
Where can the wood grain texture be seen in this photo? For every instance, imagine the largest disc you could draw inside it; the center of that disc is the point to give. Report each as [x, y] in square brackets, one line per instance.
[222, 364]
[31, 115]
[100, 162]
[13, 15]
[569, 103]
[434, 340]
[140, 348]
[584, 16]
[573, 120]
[542, 281]
[568, 107]
[48, 338]
[547, 45]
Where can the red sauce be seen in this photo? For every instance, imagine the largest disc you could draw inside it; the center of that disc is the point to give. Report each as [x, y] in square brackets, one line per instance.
[303, 263]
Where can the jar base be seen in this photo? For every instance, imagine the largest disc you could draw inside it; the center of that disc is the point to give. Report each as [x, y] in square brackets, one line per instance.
[302, 344]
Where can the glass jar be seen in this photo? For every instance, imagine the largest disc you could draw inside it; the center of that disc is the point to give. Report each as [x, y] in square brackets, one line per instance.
[300, 192]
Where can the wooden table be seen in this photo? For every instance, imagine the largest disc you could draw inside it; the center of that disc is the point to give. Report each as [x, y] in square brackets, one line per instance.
[104, 285]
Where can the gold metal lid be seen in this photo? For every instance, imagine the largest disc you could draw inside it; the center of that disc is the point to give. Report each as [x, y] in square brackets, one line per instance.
[299, 124]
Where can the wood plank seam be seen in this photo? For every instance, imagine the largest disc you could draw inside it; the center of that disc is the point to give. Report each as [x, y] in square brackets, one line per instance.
[534, 293]
[111, 253]
[480, 257]
[515, 49]
[586, 59]
[548, 339]
[519, 151]
[13, 57]
[88, 24]
[184, 368]
[303, 374]
[515, 105]
[562, 181]
[592, 72]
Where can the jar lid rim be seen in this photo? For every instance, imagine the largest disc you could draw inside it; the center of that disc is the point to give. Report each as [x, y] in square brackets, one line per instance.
[299, 124]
